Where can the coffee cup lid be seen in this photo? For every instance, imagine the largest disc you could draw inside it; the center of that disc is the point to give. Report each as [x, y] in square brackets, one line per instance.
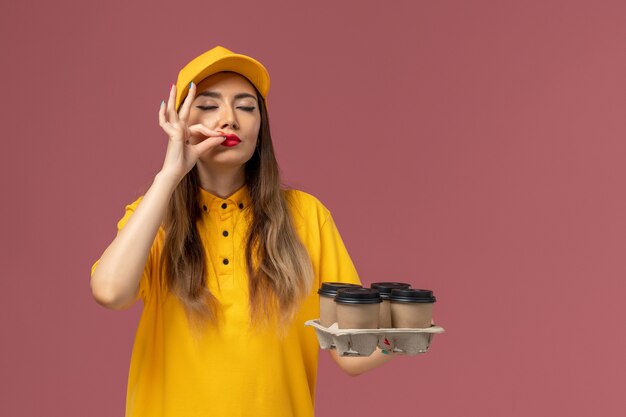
[386, 287]
[358, 296]
[412, 295]
[329, 289]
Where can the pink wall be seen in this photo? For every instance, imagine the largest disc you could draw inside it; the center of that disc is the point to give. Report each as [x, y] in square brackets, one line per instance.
[473, 148]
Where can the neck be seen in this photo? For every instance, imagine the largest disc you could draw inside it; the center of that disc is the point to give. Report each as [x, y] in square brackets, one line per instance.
[221, 181]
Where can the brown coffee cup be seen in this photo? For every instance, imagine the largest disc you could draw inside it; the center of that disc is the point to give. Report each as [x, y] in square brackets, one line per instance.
[385, 288]
[327, 293]
[411, 308]
[358, 308]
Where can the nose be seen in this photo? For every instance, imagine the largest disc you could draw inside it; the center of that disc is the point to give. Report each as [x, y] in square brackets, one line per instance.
[228, 118]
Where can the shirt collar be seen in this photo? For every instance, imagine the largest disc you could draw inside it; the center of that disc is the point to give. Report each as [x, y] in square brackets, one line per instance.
[240, 199]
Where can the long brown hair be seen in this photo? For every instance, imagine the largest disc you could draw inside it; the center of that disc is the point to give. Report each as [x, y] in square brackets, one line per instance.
[278, 264]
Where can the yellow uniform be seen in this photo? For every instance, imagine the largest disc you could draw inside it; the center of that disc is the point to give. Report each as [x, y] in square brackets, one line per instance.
[233, 371]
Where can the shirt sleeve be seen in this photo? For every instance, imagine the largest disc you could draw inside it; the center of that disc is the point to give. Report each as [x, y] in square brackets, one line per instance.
[335, 262]
[144, 283]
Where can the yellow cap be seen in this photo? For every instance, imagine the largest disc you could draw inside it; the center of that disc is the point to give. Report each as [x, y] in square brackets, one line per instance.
[221, 59]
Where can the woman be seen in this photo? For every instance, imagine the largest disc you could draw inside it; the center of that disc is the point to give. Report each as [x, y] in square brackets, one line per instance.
[226, 262]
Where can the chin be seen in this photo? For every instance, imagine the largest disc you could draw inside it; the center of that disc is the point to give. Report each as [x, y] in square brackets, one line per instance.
[224, 158]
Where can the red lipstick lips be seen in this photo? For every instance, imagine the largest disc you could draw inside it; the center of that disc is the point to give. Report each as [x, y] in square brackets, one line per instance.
[231, 140]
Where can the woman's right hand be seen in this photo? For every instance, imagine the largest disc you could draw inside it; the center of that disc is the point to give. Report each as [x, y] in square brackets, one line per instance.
[182, 153]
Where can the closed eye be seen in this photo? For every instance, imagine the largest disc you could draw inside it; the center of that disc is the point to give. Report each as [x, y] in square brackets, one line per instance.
[214, 107]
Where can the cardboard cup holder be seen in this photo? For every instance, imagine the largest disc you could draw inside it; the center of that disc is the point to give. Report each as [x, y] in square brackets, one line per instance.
[363, 342]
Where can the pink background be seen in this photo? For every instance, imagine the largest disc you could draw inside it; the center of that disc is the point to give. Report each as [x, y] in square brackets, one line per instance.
[473, 148]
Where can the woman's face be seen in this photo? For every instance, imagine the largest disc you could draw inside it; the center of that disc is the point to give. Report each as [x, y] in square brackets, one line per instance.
[227, 102]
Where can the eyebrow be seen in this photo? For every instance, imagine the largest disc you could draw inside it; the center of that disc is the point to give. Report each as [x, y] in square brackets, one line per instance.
[215, 94]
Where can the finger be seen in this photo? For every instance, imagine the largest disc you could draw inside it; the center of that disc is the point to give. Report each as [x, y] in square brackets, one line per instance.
[171, 105]
[199, 128]
[184, 109]
[208, 143]
[213, 138]
[162, 119]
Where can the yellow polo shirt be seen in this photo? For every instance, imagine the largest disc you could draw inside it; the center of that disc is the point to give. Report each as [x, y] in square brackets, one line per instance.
[233, 371]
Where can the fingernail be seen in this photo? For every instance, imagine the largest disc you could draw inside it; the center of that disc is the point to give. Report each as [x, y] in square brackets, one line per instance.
[172, 85]
[191, 84]
[162, 102]
[384, 352]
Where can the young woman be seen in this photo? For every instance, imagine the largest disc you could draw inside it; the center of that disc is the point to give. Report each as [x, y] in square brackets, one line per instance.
[226, 260]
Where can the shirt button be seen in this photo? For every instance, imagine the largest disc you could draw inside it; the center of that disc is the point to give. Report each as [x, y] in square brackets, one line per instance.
[225, 261]
[224, 205]
[225, 233]
[240, 205]
[204, 207]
